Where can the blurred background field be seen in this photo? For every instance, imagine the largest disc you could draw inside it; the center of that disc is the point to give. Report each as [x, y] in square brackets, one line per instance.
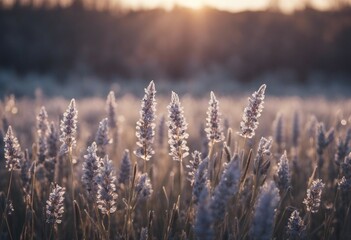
[84, 47]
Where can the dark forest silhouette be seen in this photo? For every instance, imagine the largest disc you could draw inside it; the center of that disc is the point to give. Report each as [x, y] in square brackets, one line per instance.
[172, 44]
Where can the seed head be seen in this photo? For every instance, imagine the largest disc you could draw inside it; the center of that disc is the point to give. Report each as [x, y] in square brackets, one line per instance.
[54, 205]
[314, 194]
[296, 129]
[193, 166]
[52, 141]
[296, 227]
[106, 195]
[42, 131]
[126, 165]
[203, 226]
[278, 132]
[200, 180]
[282, 176]
[226, 188]
[177, 127]
[13, 153]
[323, 138]
[252, 112]
[145, 129]
[265, 211]
[111, 110]
[143, 188]
[214, 128]
[69, 128]
[91, 166]
[102, 138]
[262, 159]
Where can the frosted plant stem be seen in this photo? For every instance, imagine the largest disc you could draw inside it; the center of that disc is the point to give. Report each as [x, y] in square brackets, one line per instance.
[32, 201]
[6, 201]
[72, 192]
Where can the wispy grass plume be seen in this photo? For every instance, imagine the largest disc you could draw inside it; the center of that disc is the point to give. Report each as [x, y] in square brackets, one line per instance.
[143, 188]
[226, 188]
[125, 169]
[314, 194]
[106, 195]
[177, 127]
[214, 128]
[296, 228]
[252, 112]
[90, 170]
[42, 131]
[13, 152]
[282, 175]
[145, 129]
[193, 165]
[203, 225]
[54, 205]
[69, 128]
[102, 138]
[264, 215]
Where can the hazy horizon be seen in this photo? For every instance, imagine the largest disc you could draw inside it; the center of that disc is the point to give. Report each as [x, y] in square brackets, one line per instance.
[230, 6]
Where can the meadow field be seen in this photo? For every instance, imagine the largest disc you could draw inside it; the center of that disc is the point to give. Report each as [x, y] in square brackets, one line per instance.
[175, 167]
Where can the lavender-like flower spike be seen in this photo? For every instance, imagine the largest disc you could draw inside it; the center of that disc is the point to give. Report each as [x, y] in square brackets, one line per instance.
[344, 185]
[262, 159]
[69, 128]
[200, 180]
[126, 165]
[278, 133]
[101, 137]
[177, 127]
[52, 141]
[42, 121]
[91, 166]
[145, 129]
[323, 140]
[143, 188]
[144, 234]
[252, 112]
[282, 176]
[13, 153]
[296, 130]
[263, 219]
[296, 227]
[54, 205]
[314, 193]
[343, 148]
[226, 188]
[193, 166]
[346, 167]
[203, 226]
[214, 128]
[161, 131]
[25, 175]
[111, 110]
[43, 127]
[106, 196]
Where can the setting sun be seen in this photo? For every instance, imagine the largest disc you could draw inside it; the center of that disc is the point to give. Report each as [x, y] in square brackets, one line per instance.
[193, 4]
